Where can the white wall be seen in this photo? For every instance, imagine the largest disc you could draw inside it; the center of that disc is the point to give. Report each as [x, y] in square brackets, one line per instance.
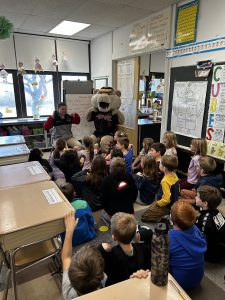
[7, 54]
[158, 62]
[101, 57]
[121, 42]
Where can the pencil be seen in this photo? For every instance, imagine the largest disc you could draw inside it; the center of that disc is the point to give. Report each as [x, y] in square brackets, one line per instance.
[178, 290]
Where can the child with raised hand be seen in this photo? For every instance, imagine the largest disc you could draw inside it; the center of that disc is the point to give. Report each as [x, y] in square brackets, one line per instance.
[170, 141]
[168, 192]
[199, 148]
[88, 153]
[147, 182]
[211, 222]
[147, 143]
[187, 246]
[84, 272]
[126, 258]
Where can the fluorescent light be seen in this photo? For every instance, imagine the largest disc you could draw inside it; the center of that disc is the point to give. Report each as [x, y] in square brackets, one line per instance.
[68, 28]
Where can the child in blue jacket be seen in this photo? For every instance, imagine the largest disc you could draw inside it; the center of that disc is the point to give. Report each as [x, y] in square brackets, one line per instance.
[187, 246]
[84, 231]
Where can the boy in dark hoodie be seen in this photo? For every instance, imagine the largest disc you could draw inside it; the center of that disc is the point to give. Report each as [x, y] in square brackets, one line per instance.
[207, 167]
[211, 222]
[187, 246]
[84, 231]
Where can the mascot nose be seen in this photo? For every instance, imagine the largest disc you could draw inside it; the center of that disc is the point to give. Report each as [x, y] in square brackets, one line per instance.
[104, 97]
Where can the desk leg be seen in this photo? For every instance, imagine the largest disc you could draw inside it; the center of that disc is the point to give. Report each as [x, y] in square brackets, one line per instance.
[13, 273]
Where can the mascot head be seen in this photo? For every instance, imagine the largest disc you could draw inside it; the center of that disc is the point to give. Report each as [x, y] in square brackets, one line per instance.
[106, 99]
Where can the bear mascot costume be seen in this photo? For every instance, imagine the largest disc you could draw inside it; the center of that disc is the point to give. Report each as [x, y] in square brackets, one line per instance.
[106, 116]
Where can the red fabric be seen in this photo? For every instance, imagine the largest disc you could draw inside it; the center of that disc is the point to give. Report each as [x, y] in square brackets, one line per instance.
[75, 118]
[184, 184]
[49, 123]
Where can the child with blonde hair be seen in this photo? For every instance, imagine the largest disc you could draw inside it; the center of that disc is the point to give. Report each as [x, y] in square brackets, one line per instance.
[199, 148]
[147, 182]
[147, 143]
[170, 141]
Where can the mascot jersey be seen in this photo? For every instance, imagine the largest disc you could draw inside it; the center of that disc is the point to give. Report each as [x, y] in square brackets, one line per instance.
[105, 123]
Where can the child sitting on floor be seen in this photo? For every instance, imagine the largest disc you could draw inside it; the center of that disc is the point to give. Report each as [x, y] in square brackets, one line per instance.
[88, 153]
[57, 152]
[69, 164]
[211, 222]
[37, 155]
[157, 151]
[125, 258]
[147, 182]
[170, 141]
[147, 143]
[168, 192]
[199, 148]
[84, 272]
[207, 167]
[123, 145]
[84, 231]
[118, 190]
[187, 246]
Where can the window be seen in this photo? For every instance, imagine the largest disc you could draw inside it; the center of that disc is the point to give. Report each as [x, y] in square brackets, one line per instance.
[39, 94]
[73, 77]
[7, 98]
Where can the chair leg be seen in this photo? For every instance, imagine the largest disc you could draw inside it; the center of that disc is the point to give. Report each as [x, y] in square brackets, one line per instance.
[6, 289]
[13, 273]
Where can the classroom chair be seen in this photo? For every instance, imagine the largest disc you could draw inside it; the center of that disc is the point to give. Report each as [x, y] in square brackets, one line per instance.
[26, 256]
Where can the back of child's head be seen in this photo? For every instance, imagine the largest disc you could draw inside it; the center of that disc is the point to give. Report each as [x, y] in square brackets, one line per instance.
[199, 146]
[35, 154]
[69, 159]
[170, 162]
[97, 172]
[117, 167]
[68, 191]
[159, 147]
[147, 143]
[211, 195]
[123, 227]
[183, 214]
[59, 146]
[86, 270]
[170, 139]
[149, 166]
[120, 133]
[89, 145]
[124, 141]
[116, 153]
[207, 164]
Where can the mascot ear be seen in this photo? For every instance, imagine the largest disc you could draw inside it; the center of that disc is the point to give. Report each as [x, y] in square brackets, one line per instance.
[118, 93]
[96, 91]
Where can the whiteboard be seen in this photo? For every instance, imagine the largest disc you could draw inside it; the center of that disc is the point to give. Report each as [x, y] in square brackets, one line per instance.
[188, 108]
[125, 83]
[80, 104]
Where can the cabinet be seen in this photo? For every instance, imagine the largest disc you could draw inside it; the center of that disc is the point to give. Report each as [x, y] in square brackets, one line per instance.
[31, 129]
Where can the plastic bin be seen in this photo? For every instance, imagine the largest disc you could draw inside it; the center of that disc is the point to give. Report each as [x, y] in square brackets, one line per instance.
[16, 132]
[38, 131]
[26, 131]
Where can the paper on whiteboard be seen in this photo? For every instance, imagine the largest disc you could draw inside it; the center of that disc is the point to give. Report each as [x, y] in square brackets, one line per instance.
[52, 196]
[35, 170]
[188, 108]
[80, 104]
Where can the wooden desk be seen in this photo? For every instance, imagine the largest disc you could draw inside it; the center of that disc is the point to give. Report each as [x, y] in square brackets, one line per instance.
[13, 154]
[26, 216]
[134, 289]
[23, 173]
[12, 140]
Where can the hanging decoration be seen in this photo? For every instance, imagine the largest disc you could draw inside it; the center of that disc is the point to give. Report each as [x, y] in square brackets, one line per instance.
[3, 73]
[6, 28]
[37, 66]
[21, 71]
[65, 56]
[54, 61]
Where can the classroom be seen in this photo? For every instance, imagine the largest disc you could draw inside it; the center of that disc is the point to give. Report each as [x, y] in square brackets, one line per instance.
[112, 149]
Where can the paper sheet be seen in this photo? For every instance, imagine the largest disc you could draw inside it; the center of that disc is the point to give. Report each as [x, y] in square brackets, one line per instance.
[52, 196]
[188, 108]
[35, 170]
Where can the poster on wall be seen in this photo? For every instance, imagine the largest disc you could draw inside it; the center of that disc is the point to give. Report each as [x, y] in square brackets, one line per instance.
[188, 108]
[125, 83]
[151, 33]
[216, 115]
[186, 23]
[80, 104]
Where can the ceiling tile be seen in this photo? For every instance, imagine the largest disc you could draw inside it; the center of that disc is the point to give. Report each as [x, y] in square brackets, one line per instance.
[16, 19]
[93, 31]
[115, 2]
[18, 6]
[39, 24]
[154, 5]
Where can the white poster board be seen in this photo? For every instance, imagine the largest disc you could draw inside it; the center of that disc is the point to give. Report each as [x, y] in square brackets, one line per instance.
[80, 104]
[125, 83]
[188, 108]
